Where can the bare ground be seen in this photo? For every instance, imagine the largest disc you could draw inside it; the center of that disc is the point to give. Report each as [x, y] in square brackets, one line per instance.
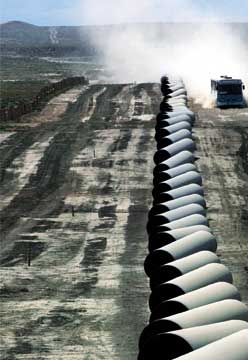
[85, 294]
[223, 161]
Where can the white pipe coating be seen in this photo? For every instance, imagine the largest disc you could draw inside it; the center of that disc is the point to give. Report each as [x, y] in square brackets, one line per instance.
[203, 276]
[194, 261]
[232, 347]
[185, 190]
[190, 244]
[181, 232]
[179, 213]
[191, 220]
[178, 126]
[177, 268]
[176, 119]
[170, 345]
[185, 200]
[200, 336]
[179, 170]
[178, 135]
[184, 179]
[178, 92]
[209, 294]
[181, 111]
[179, 159]
[173, 149]
[213, 313]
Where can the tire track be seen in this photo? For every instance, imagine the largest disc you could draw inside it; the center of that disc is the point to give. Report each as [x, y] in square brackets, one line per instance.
[72, 299]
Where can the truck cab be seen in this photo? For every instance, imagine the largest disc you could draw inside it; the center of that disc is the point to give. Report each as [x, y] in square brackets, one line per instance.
[229, 92]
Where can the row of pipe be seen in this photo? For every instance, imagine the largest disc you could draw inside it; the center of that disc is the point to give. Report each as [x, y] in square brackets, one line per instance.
[196, 311]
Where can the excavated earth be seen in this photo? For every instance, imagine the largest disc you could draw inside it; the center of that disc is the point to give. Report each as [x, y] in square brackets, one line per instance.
[76, 184]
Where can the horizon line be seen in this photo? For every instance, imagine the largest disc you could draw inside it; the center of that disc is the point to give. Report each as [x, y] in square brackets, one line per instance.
[225, 21]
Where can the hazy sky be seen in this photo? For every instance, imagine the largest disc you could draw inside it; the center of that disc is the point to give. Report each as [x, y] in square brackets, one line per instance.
[84, 12]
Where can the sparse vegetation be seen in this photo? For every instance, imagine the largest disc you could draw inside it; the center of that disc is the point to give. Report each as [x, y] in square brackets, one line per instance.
[23, 77]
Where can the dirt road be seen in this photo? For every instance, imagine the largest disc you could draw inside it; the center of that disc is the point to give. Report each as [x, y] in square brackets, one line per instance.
[75, 191]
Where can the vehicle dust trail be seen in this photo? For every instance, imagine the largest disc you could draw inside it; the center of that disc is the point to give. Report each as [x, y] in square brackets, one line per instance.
[218, 134]
[87, 250]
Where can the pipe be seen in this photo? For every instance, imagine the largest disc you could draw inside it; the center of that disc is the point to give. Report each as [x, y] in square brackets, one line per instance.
[161, 135]
[172, 215]
[163, 122]
[180, 192]
[212, 313]
[232, 347]
[205, 275]
[167, 346]
[173, 138]
[181, 158]
[181, 267]
[188, 178]
[177, 87]
[173, 149]
[177, 203]
[180, 111]
[206, 295]
[163, 238]
[173, 172]
[178, 101]
[178, 126]
[178, 92]
[188, 245]
[191, 220]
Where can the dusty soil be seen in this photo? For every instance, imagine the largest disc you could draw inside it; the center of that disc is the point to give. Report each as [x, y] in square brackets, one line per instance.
[75, 191]
[85, 294]
[222, 142]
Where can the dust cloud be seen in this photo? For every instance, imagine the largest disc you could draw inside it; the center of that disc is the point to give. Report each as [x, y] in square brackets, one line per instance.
[166, 37]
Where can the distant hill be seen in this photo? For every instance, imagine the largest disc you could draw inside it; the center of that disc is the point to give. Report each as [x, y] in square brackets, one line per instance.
[27, 39]
[21, 38]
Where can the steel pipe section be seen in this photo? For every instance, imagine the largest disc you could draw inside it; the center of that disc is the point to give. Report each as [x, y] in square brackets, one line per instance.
[180, 267]
[173, 215]
[168, 112]
[180, 342]
[176, 127]
[181, 191]
[188, 245]
[173, 172]
[179, 146]
[171, 139]
[177, 203]
[195, 219]
[163, 120]
[181, 158]
[160, 239]
[203, 276]
[220, 311]
[196, 312]
[206, 295]
[232, 347]
[188, 178]
[162, 137]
